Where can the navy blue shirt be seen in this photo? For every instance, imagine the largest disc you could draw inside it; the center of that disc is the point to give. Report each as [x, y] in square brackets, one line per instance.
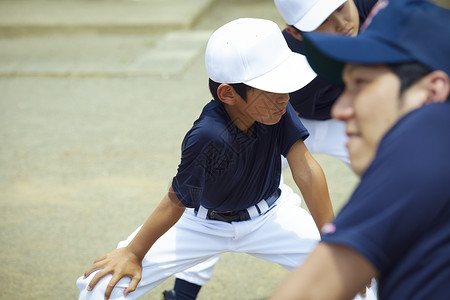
[226, 169]
[399, 215]
[314, 101]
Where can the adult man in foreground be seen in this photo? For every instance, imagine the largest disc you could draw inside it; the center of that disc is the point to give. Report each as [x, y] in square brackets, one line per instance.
[397, 114]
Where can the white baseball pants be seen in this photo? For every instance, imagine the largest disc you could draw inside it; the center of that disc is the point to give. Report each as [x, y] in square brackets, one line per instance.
[285, 234]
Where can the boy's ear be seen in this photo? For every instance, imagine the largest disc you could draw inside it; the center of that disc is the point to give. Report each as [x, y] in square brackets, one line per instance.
[294, 32]
[227, 94]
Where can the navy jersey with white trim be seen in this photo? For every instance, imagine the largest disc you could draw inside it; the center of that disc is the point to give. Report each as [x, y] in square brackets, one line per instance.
[226, 169]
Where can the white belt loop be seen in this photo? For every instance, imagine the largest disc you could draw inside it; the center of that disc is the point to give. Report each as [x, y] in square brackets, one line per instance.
[263, 207]
[259, 209]
[252, 212]
[202, 212]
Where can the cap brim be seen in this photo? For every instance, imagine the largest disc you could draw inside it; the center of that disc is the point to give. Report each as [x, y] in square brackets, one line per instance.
[328, 53]
[289, 76]
[318, 14]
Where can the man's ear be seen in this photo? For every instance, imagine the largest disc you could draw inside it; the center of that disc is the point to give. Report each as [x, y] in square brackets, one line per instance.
[438, 85]
[434, 87]
[294, 32]
[227, 94]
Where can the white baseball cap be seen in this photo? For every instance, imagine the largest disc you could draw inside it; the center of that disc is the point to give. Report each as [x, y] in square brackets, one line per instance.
[306, 15]
[254, 52]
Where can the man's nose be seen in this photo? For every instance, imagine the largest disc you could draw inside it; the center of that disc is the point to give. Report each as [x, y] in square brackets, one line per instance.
[342, 109]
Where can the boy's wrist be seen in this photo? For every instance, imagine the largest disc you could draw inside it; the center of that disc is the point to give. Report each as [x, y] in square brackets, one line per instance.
[136, 251]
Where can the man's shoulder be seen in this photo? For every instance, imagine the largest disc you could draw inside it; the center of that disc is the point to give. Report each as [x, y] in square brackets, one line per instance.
[430, 119]
[433, 109]
[418, 141]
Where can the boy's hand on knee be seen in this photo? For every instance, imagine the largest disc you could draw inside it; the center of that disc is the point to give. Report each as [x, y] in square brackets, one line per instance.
[120, 263]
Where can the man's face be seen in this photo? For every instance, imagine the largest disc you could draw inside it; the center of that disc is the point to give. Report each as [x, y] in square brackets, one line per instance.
[369, 106]
[344, 20]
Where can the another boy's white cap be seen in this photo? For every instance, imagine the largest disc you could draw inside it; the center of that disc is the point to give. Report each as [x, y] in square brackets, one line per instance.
[254, 52]
[307, 15]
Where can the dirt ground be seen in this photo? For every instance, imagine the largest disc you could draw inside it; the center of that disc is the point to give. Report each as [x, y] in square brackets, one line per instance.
[84, 160]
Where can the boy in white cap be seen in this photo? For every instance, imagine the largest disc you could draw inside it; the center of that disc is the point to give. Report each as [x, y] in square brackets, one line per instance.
[227, 195]
[396, 107]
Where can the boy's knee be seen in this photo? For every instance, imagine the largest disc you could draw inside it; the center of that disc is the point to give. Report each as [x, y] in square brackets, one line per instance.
[99, 290]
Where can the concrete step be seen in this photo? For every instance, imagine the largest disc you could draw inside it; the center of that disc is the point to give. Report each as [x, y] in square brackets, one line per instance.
[18, 17]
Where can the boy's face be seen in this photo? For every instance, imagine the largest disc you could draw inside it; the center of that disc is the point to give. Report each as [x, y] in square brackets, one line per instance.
[344, 20]
[370, 105]
[263, 107]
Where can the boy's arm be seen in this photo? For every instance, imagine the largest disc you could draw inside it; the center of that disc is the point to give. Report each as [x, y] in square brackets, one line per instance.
[126, 262]
[330, 272]
[310, 179]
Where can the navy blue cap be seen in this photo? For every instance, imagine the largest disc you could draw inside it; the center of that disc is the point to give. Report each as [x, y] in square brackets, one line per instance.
[396, 31]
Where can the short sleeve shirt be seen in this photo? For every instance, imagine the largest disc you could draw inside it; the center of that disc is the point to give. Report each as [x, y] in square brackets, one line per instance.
[399, 215]
[226, 169]
[314, 101]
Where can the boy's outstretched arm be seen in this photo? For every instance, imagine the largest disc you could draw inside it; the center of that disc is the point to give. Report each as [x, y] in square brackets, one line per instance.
[310, 179]
[126, 262]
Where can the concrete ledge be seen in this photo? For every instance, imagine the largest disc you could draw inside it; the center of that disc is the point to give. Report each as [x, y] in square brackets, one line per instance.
[44, 16]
